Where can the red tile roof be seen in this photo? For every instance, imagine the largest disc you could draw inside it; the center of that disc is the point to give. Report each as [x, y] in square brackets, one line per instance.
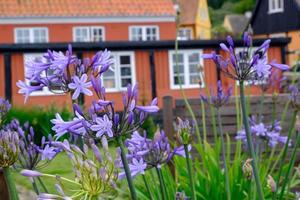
[85, 8]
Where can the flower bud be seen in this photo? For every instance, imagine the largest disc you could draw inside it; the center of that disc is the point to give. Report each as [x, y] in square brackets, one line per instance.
[9, 148]
[184, 131]
[271, 183]
[247, 168]
[30, 173]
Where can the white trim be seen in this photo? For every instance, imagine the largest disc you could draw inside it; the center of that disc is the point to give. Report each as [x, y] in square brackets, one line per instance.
[277, 9]
[117, 79]
[31, 29]
[45, 91]
[89, 30]
[186, 85]
[144, 35]
[95, 19]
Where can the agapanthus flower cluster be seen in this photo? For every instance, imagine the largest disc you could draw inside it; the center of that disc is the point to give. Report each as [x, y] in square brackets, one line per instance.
[63, 72]
[9, 147]
[102, 119]
[247, 64]
[4, 108]
[295, 96]
[32, 154]
[220, 98]
[95, 175]
[144, 153]
[272, 83]
[262, 132]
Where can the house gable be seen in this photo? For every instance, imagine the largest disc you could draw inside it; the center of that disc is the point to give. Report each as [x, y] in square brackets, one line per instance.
[265, 22]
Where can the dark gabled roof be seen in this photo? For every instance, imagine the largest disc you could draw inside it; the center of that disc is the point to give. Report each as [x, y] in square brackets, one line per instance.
[263, 22]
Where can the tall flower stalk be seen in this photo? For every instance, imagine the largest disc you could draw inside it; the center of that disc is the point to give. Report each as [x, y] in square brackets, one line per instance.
[217, 101]
[248, 65]
[250, 142]
[184, 134]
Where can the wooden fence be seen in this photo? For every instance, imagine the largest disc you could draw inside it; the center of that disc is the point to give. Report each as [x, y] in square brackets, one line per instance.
[177, 108]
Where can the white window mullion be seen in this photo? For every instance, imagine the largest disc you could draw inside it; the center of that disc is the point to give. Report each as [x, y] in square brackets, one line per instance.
[186, 69]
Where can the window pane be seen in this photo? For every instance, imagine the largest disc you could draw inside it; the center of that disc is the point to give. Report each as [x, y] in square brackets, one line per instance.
[23, 36]
[39, 35]
[124, 60]
[178, 68]
[176, 80]
[194, 79]
[136, 34]
[125, 82]
[125, 71]
[179, 57]
[193, 68]
[97, 34]
[109, 79]
[82, 34]
[194, 58]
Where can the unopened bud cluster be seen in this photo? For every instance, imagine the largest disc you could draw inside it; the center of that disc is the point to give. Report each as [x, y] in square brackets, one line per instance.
[9, 148]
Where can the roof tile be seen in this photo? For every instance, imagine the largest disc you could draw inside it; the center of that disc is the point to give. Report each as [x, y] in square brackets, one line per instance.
[69, 8]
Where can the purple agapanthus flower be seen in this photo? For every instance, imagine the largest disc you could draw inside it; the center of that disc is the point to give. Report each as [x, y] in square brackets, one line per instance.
[144, 153]
[262, 132]
[103, 125]
[63, 73]
[80, 85]
[220, 98]
[26, 90]
[75, 126]
[245, 65]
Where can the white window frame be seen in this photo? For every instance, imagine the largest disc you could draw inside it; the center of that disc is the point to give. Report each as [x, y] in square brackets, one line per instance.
[144, 32]
[186, 72]
[118, 81]
[90, 32]
[45, 91]
[277, 9]
[31, 33]
[185, 29]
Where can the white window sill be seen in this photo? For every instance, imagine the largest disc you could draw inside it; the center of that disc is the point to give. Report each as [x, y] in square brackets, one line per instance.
[175, 87]
[47, 93]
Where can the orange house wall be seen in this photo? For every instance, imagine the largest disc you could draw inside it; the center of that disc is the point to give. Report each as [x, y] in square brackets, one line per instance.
[2, 82]
[163, 78]
[143, 79]
[113, 31]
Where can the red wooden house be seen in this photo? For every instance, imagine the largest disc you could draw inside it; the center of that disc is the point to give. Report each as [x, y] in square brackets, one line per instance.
[140, 35]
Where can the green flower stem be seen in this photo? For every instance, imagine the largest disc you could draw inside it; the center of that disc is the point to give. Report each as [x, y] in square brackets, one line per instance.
[284, 152]
[227, 184]
[291, 165]
[35, 188]
[126, 168]
[42, 184]
[13, 194]
[203, 120]
[249, 142]
[189, 167]
[147, 186]
[161, 183]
